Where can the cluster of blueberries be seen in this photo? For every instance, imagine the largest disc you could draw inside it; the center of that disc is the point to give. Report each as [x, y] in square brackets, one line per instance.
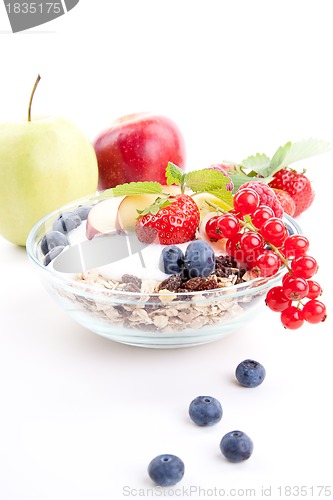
[198, 261]
[56, 240]
[236, 446]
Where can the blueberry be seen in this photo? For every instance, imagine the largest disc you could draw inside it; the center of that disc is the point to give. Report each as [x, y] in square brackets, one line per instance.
[236, 446]
[171, 260]
[83, 212]
[53, 239]
[66, 222]
[52, 254]
[250, 373]
[199, 259]
[166, 470]
[205, 410]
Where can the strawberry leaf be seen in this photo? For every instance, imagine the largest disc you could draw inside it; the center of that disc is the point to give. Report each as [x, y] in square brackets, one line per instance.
[155, 207]
[292, 152]
[257, 162]
[241, 178]
[278, 157]
[300, 151]
[132, 188]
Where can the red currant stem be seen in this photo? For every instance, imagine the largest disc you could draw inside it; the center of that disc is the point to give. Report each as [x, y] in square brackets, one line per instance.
[217, 207]
[247, 225]
[251, 226]
[279, 254]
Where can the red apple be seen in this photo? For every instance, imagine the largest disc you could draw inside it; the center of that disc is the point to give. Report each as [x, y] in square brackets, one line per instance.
[138, 147]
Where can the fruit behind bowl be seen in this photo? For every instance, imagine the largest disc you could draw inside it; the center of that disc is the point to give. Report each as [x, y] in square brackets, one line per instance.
[138, 147]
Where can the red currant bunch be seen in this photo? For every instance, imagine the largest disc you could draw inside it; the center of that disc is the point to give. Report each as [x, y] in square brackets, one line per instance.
[260, 241]
[296, 299]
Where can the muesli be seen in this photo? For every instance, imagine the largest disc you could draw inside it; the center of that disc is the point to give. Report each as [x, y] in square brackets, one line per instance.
[167, 306]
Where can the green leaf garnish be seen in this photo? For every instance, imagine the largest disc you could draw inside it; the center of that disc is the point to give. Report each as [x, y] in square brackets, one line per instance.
[292, 152]
[174, 174]
[155, 207]
[209, 181]
[256, 162]
[133, 188]
[283, 157]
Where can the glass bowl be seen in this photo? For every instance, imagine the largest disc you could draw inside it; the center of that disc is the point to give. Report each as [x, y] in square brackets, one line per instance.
[130, 312]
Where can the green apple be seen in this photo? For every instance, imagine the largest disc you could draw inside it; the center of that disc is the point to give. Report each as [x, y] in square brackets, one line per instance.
[44, 163]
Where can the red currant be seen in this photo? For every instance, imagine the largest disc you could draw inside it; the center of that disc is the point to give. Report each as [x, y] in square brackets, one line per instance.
[295, 246]
[314, 311]
[276, 300]
[268, 263]
[233, 248]
[315, 290]
[274, 231]
[295, 288]
[285, 277]
[228, 225]
[251, 241]
[304, 266]
[212, 228]
[292, 318]
[246, 201]
[261, 215]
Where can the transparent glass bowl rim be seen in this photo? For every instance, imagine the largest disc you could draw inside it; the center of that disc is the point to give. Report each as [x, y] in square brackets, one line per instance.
[89, 291]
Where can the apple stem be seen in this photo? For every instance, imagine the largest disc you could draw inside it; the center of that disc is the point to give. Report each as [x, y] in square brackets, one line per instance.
[31, 97]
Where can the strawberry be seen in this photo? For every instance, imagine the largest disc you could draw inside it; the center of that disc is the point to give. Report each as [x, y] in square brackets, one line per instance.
[169, 222]
[297, 185]
[288, 204]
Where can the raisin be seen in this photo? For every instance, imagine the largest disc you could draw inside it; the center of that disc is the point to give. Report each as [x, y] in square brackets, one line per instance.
[130, 278]
[200, 284]
[172, 284]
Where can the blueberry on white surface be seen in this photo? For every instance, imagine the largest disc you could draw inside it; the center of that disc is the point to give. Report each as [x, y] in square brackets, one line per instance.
[51, 240]
[171, 260]
[166, 470]
[66, 222]
[83, 212]
[205, 410]
[52, 254]
[236, 446]
[199, 260]
[250, 373]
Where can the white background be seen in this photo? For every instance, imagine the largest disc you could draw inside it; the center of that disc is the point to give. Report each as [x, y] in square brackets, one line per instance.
[80, 416]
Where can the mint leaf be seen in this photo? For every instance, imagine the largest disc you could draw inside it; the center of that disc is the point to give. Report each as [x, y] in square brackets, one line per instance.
[224, 195]
[174, 174]
[257, 162]
[209, 181]
[206, 179]
[133, 188]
